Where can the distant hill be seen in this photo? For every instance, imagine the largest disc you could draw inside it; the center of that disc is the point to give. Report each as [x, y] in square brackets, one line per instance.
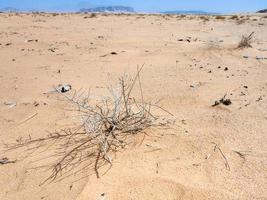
[262, 11]
[9, 9]
[108, 9]
[195, 12]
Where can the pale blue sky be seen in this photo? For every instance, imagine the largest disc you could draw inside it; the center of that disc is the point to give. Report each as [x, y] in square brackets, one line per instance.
[222, 6]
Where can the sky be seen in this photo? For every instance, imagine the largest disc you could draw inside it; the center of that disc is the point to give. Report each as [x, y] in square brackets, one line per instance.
[221, 6]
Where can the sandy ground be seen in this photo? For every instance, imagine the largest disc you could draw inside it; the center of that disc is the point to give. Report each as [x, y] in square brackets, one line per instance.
[179, 163]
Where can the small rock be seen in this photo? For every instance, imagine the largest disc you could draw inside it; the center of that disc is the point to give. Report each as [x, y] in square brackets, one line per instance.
[11, 104]
[6, 161]
[103, 197]
[31, 40]
[223, 101]
[63, 88]
[226, 102]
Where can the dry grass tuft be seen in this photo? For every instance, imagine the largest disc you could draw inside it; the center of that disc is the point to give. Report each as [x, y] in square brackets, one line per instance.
[245, 41]
[92, 15]
[234, 17]
[220, 17]
[204, 18]
[105, 125]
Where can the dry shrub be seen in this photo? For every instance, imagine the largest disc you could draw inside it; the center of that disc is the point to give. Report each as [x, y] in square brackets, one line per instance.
[220, 17]
[92, 15]
[245, 41]
[235, 17]
[241, 21]
[204, 18]
[105, 126]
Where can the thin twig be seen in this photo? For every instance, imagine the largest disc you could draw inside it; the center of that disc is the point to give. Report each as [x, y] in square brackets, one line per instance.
[224, 157]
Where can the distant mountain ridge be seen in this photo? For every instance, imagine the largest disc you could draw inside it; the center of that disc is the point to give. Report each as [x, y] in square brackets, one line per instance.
[108, 9]
[9, 9]
[262, 11]
[195, 12]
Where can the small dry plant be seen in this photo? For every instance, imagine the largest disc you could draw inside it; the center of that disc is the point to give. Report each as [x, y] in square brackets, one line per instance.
[105, 125]
[91, 15]
[235, 17]
[220, 17]
[204, 18]
[245, 41]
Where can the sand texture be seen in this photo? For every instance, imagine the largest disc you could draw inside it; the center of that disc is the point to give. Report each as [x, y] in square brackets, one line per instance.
[189, 63]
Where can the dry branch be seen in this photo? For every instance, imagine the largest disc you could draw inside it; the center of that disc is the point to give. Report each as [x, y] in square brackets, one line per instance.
[245, 41]
[105, 125]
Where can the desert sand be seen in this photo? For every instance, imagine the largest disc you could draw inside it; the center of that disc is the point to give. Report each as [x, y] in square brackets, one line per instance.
[189, 63]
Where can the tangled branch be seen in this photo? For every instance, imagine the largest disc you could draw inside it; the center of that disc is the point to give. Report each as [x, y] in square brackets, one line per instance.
[105, 126]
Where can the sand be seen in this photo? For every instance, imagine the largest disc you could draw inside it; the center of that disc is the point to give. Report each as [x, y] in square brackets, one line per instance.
[189, 63]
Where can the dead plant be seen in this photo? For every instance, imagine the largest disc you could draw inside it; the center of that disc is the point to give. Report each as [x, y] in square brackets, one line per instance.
[105, 125]
[92, 15]
[245, 41]
[220, 17]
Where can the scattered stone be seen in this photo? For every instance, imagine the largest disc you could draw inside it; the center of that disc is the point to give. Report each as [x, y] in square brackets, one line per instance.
[63, 88]
[223, 101]
[111, 53]
[6, 161]
[60, 88]
[11, 104]
[35, 104]
[242, 94]
[31, 40]
[259, 99]
[103, 197]
[188, 39]
[195, 85]
[226, 102]
[257, 57]
[52, 49]
[261, 58]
